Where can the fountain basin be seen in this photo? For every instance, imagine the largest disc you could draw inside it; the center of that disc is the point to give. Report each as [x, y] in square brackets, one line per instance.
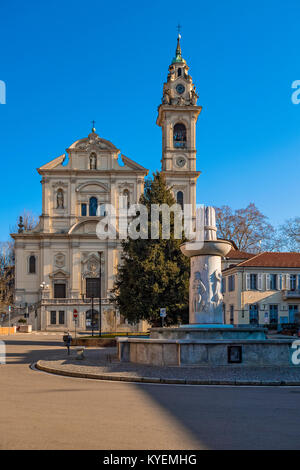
[209, 352]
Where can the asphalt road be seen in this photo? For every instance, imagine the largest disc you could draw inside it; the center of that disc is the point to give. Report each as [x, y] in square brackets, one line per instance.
[43, 411]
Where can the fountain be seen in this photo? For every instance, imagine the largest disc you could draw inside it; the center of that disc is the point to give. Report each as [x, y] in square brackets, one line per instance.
[206, 340]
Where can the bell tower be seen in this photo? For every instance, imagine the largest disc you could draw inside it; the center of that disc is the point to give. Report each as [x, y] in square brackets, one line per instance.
[177, 116]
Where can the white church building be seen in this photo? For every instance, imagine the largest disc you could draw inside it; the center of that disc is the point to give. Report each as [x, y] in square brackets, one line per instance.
[60, 263]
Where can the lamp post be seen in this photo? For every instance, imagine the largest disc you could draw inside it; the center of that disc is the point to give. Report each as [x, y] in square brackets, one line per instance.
[43, 286]
[100, 294]
[92, 315]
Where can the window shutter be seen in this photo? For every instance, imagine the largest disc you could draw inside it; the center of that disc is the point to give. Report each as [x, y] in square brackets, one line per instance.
[287, 282]
[247, 281]
[279, 282]
[267, 281]
[259, 281]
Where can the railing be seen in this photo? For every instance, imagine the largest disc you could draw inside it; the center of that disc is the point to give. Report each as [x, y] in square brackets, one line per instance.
[291, 294]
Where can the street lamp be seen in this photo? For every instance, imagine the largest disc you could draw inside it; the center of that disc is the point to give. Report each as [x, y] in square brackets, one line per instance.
[100, 305]
[44, 286]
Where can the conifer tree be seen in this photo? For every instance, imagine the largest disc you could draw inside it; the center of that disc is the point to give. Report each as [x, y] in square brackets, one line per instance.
[153, 273]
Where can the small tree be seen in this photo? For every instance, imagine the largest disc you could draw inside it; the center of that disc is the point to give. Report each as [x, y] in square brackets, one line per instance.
[153, 273]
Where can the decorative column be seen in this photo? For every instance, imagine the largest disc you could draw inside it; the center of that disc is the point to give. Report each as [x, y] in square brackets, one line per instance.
[205, 296]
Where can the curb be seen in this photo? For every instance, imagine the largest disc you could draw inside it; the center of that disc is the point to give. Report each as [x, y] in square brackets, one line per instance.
[158, 380]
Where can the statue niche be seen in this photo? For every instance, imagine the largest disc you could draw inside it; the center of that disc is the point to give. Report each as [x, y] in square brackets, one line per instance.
[60, 199]
[93, 161]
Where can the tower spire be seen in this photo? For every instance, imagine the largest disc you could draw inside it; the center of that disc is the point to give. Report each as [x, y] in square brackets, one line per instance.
[178, 56]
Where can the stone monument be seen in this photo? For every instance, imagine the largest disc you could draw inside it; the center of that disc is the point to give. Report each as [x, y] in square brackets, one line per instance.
[205, 295]
[206, 340]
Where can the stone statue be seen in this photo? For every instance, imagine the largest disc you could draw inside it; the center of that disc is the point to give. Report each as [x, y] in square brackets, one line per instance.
[215, 279]
[193, 96]
[200, 297]
[60, 199]
[93, 162]
[167, 96]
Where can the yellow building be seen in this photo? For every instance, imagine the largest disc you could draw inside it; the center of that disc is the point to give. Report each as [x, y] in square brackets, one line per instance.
[261, 289]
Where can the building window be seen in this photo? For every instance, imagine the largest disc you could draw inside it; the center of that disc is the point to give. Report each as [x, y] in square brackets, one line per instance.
[223, 285]
[231, 314]
[292, 281]
[83, 210]
[179, 72]
[61, 317]
[231, 283]
[179, 136]
[253, 314]
[32, 264]
[273, 310]
[273, 281]
[93, 206]
[59, 291]
[92, 287]
[179, 197]
[253, 281]
[293, 310]
[52, 318]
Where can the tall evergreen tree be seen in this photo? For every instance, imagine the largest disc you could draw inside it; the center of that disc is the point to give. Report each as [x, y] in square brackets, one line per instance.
[153, 273]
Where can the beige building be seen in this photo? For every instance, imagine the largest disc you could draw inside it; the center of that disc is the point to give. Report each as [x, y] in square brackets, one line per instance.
[261, 289]
[58, 263]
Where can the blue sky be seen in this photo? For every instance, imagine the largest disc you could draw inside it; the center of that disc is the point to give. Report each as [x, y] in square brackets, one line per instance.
[68, 62]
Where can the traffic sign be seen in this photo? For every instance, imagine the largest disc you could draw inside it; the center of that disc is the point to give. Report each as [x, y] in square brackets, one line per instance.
[163, 312]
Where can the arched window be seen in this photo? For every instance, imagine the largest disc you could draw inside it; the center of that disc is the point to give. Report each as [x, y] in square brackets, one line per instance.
[179, 72]
[179, 198]
[102, 210]
[32, 264]
[179, 136]
[93, 206]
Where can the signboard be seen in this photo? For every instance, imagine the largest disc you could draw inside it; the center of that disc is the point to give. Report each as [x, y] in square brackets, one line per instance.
[75, 314]
[163, 312]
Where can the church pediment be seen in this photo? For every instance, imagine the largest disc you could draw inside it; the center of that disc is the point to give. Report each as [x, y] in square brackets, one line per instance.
[130, 164]
[59, 274]
[85, 227]
[93, 143]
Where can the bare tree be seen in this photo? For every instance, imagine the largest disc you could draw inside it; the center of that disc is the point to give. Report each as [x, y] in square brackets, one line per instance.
[7, 275]
[29, 221]
[289, 234]
[248, 228]
[7, 259]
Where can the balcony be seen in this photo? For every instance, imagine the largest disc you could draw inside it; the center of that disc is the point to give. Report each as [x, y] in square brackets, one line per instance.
[291, 294]
[75, 302]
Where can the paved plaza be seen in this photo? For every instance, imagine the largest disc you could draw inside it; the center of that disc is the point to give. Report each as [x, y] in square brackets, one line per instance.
[46, 411]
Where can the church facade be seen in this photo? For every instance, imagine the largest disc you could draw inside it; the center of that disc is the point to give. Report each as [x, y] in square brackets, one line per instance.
[61, 263]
